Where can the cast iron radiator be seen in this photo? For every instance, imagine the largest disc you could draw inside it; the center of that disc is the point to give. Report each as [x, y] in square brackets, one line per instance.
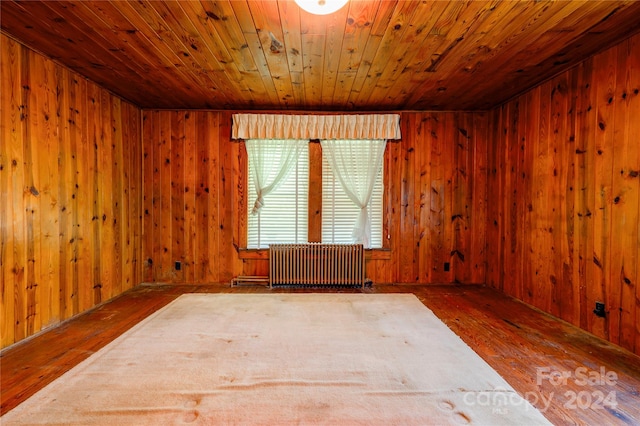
[316, 264]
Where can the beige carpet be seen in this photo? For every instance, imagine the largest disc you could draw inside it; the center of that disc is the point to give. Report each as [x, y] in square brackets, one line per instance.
[279, 359]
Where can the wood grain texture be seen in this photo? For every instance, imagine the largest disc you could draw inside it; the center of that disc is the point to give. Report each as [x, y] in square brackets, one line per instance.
[371, 55]
[571, 200]
[538, 197]
[71, 193]
[421, 208]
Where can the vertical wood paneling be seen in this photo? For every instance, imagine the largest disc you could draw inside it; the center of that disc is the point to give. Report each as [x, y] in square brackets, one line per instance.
[422, 179]
[69, 196]
[437, 185]
[231, 194]
[531, 192]
[193, 191]
[189, 199]
[571, 266]
[149, 164]
[84, 166]
[201, 202]
[558, 202]
[604, 87]
[461, 209]
[47, 186]
[579, 232]
[633, 172]
[449, 142]
[75, 148]
[213, 224]
[12, 186]
[106, 214]
[178, 184]
[197, 176]
[521, 192]
[408, 268]
[438, 253]
[134, 196]
[493, 249]
[162, 262]
[315, 193]
[511, 193]
[585, 153]
[385, 271]
[94, 125]
[544, 169]
[117, 194]
[478, 191]
[626, 191]
[24, 296]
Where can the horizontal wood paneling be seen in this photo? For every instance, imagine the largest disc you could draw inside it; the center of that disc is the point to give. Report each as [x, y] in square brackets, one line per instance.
[70, 187]
[369, 55]
[564, 179]
[195, 199]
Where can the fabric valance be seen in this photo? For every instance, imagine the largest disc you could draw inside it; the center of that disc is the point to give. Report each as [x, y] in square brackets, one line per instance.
[285, 126]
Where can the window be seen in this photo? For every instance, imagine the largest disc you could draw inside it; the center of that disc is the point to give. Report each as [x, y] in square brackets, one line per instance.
[283, 216]
[339, 213]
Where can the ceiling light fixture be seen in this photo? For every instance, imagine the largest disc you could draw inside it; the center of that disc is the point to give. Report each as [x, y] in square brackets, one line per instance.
[321, 7]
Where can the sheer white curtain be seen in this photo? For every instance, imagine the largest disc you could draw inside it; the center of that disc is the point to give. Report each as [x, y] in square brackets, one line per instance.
[356, 163]
[272, 160]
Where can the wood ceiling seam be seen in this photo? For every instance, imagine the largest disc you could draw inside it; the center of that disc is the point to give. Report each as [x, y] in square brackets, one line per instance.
[313, 33]
[188, 83]
[292, 39]
[382, 19]
[515, 51]
[589, 41]
[423, 23]
[130, 41]
[189, 52]
[216, 48]
[52, 34]
[266, 18]
[397, 27]
[243, 15]
[335, 29]
[372, 55]
[357, 31]
[487, 18]
[454, 14]
[509, 7]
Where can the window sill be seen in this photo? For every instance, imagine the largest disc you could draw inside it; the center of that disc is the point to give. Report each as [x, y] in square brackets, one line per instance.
[263, 254]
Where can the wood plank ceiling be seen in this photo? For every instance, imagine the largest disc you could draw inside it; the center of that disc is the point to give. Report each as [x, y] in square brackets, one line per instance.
[371, 55]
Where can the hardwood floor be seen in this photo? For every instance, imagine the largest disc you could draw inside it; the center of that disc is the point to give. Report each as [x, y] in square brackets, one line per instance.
[568, 374]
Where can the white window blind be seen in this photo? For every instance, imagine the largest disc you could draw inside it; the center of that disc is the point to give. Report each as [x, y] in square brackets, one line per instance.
[284, 215]
[339, 213]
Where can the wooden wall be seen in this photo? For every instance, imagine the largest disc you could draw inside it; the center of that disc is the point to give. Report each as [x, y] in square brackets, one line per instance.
[194, 200]
[564, 185]
[538, 198]
[191, 189]
[70, 193]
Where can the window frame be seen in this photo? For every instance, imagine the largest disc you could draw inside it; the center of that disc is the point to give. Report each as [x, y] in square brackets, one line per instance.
[376, 215]
[314, 232]
[273, 221]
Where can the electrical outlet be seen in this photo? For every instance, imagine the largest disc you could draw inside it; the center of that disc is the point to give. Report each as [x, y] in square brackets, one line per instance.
[446, 266]
[178, 266]
[599, 310]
